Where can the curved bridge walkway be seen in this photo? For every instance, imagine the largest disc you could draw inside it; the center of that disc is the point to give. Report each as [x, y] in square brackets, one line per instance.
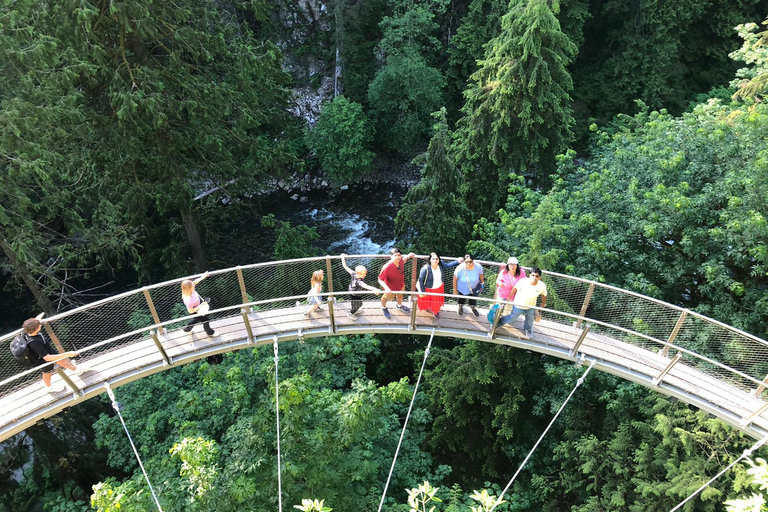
[124, 338]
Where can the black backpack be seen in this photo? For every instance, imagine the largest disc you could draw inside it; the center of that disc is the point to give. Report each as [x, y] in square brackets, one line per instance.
[21, 352]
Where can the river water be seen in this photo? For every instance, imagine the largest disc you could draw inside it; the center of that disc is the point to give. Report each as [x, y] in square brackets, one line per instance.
[349, 221]
[355, 221]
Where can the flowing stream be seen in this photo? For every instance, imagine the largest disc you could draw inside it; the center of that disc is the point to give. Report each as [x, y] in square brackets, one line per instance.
[353, 221]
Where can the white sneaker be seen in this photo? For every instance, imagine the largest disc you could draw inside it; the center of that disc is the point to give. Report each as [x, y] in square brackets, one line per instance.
[81, 369]
[53, 389]
[352, 316]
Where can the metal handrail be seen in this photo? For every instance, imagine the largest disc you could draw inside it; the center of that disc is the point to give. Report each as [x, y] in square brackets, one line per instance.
[327, 259]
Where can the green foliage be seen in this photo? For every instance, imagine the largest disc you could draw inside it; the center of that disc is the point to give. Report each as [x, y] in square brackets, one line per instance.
[420, 496]
[128, 496]
[313, 506]
[756, 502]
[360, 35]
[112, 127]
[433, 208]
[669, 207]
[517, 115]
[338, 429]
[198, 457]
[408, 88]
[291, 241]
[341, 139]
[487, 501]
[753, 81]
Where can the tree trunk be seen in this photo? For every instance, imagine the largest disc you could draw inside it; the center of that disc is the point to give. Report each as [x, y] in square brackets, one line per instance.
[193, 236]
[21, 270]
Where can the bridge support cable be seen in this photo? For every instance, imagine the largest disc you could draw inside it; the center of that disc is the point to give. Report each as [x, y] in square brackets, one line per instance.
[277, 414]
[747, 453]
[578, 383]
[116, 406]
[407, 416]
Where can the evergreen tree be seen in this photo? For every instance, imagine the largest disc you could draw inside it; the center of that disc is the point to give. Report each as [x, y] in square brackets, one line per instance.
[517, 115]
[186, 99]
[409, 87]
[433, 216]
[341, 139]
[52, 225]
[753, 81]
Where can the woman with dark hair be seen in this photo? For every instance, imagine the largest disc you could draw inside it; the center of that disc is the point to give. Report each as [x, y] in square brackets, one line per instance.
[508, 277]
[469, 281]
[432, 280]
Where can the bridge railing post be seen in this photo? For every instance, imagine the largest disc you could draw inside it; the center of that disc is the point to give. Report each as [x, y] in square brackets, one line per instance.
[496, 318]
[329, 272]
[666, 370]
[675, 331]
[331, 316]
[76, 390]
[247, 322]
[151, 305]
[54, 338]
[581, 339]
[160, 348]
[761, 387]
[241, 281]
[414, 306]
[585, 304]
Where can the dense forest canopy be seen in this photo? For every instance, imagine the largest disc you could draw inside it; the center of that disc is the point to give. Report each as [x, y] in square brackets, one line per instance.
[624, 142]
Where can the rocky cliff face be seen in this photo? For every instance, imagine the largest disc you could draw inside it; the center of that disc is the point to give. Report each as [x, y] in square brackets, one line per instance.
[307, 38]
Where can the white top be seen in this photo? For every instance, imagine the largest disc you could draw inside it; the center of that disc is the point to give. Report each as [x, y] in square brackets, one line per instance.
[437, 277]
[527, 292]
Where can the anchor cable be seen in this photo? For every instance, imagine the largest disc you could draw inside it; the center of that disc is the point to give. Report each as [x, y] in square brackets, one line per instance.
[578, 383]
[405, 424]
[116, 406]
[277, 414]
[747, 453]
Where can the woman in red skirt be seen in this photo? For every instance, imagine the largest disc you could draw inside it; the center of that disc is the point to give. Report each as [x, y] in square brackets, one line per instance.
[432, 280]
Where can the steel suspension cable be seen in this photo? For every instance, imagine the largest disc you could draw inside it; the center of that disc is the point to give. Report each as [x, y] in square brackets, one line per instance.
[277, 413]
[116, 406]
[405, 424]
[745, 454]
[578, 383]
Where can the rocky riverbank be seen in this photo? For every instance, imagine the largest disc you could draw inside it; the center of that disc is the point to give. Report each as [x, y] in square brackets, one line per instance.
[386, 175]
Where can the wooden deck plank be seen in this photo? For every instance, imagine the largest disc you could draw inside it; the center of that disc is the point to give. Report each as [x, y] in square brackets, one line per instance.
[125, 363]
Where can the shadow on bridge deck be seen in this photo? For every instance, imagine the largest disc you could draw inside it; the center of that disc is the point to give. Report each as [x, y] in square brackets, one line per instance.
[31, 403]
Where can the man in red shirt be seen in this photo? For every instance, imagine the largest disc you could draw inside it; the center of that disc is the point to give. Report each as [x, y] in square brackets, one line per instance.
[392, 280]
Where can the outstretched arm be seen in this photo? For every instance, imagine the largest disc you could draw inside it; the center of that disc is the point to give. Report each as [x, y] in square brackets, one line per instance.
[369, 287]
[58, 357]
[344, 264]
[197, 281]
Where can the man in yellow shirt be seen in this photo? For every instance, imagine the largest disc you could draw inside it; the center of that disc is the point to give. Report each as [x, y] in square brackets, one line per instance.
[526, 293]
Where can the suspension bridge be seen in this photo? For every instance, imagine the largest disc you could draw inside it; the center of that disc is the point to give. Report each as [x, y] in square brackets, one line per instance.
[672, 350]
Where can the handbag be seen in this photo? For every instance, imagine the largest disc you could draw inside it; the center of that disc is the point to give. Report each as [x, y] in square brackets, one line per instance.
[474, 290]
[204, 308]
[492, 313]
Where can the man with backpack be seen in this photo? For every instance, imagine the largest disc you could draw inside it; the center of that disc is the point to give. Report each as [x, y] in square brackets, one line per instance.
[39, 352]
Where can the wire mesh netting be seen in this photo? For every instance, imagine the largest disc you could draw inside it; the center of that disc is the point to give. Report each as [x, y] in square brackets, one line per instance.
[640, 321]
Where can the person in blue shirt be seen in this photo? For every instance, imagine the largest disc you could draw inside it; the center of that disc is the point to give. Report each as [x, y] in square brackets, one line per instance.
[468, 281]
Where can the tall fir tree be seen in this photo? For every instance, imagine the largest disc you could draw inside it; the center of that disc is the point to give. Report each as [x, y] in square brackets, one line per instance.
[409, 86]
[517, 115]
[434, 208]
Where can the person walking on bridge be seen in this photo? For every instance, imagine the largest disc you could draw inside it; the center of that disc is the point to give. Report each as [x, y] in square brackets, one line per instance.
[526, 293]
[392, 280]
[195, 304]
[356, 284]
[41, 353]
[469, 281]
